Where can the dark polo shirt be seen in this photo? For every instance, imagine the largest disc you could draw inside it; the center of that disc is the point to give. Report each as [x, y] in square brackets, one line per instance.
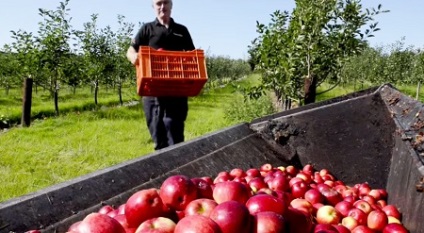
[174, 38]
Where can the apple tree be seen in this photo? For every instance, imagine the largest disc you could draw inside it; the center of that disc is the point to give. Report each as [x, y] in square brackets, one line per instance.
[8, 72]
[298, 51]
[54, 35]
[97, 51]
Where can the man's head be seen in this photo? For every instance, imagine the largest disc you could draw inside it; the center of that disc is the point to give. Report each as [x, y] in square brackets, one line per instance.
[163, 9]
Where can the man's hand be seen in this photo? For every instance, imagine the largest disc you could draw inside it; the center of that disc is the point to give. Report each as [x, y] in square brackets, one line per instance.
[132, 55]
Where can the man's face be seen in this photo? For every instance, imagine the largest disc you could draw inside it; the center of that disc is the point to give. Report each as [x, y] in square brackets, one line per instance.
[162, 8]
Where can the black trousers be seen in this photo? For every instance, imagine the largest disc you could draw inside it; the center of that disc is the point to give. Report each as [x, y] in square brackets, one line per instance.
[165, 117]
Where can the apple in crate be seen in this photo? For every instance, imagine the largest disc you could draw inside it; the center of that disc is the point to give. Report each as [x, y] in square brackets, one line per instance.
[232, 216]
[197, 224]
[377, 220]
[231, 191]
[328, 214]
[143, 205]
[202, 206]
[395, 228]
[269, 222]
[265, 202]
[99, 223]
[177, 191]
[156, 225]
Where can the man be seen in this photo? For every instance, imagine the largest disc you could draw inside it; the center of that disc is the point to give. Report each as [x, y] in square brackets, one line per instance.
[165, 116]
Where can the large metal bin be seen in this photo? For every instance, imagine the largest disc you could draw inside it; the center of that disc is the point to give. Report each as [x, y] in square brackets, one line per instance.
[374, 135]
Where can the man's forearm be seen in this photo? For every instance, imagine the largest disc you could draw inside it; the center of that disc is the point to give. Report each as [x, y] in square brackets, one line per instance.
[132, 55]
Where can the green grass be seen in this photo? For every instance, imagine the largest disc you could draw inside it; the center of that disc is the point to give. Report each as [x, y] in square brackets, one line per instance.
[57, 149]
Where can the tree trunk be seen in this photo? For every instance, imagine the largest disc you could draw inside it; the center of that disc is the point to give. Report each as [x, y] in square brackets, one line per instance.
[120, 94]
[56, 98]
[26, 103]
[96, 90]
[417, 97]
[310, 89]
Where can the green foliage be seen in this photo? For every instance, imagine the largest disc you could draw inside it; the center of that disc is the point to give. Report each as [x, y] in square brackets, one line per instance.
[310, 44]
[392, 63]
[246, 109]
[222, 70]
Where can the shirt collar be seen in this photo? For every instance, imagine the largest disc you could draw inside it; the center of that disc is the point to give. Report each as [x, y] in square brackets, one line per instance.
[171, 22]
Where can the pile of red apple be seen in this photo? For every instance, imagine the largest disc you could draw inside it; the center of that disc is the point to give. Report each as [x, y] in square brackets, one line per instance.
[258, 200]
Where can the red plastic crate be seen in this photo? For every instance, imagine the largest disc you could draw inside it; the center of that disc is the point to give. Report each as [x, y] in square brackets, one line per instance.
[170, 73]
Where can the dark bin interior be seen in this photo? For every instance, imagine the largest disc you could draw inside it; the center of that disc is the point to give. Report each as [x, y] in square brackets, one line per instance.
[374, 135]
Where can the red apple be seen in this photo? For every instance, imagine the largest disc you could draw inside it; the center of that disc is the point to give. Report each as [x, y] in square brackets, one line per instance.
[202, 206]
[257, 183]
[364, 189]
[382, 203]
[363, 205]
[177, 191]
[232, 216]
[222, 177]
[143, 205]
[237, 172]
[308, 169]
[395, 228]
[314, 196]
[392, 219]
[302, 205]
[383, 194]
[156, 225]
[375, 193]
[370, 199]
[264, 202]
[331, 196]
[99, 223]
[204, 188]
[316, 207]
[349, 222]
[340, 188]
[317, 178]
[305, 177]
[280, 183]
[325, 228]
[292, 170]
[113, 213]
[105, 209]
[341, 229]
[392, 210]
[377, 220]
[359, 215]
[343, 207]
[299, 189]
[208, 179]
[266, 167]
[327, 214]
[362, 229]
[324, 172]
[123, 221]
[268, 222]
[294, 180]
[350, 199]
[73, 226]
[253, 172]
[231, 191]
[197, 224]
[298, 221]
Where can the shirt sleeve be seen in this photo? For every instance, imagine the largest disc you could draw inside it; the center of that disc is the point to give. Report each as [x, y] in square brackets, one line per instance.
[141, 38]
[189, 42]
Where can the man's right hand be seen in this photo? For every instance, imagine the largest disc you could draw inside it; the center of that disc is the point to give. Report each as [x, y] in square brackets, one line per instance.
[132, 55]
